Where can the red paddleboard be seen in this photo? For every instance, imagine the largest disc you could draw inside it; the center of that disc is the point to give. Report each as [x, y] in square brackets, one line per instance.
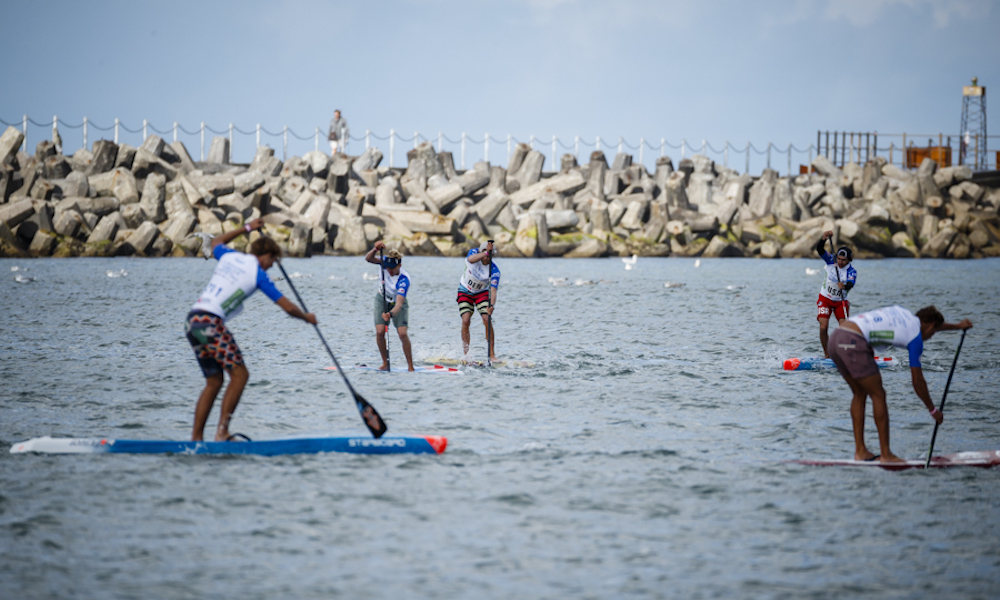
[979, 458]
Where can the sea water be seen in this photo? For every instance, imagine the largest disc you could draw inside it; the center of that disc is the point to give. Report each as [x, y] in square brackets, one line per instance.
[644, 454]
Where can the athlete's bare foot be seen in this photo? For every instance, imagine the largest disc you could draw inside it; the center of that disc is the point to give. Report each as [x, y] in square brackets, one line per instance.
[866, 455]
[222, 436]
[384, 367]
[891, 458]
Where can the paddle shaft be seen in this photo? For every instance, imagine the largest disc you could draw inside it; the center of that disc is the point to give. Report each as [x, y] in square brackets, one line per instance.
[944, 397]
[385, 303]
[489, 314]
[369, 415]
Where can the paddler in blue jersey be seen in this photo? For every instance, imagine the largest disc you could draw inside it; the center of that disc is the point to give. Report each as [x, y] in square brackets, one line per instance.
[840, 278]
[391, 302]
[477, 292]
[236, 278]
[851, 350]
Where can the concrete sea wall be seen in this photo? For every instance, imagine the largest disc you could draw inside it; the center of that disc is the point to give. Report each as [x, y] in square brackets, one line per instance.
[154, 200]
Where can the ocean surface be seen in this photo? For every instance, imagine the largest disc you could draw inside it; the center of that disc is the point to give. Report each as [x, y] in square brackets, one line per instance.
[644, 455]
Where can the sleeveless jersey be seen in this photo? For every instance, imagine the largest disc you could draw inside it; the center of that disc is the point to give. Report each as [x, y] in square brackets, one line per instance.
[396, 284]
[236, 278]
[892, 326]
[477, 276]
[833, 272]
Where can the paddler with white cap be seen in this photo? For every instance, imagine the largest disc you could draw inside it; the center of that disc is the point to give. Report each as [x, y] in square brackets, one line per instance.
[477, 292]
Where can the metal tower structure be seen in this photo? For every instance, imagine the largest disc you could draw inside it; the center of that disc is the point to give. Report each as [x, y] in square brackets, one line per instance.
[973, 145]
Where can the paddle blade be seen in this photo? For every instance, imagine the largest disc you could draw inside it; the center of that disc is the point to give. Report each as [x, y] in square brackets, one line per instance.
[370, 416]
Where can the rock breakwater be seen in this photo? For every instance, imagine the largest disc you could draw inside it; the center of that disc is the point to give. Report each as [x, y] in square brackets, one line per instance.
[154, 200]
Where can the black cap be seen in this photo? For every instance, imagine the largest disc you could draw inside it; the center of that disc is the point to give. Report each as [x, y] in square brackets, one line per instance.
[389, 262]
[846, 253]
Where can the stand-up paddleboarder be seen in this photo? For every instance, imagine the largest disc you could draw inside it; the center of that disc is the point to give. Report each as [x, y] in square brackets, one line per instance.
[236, 278]
[391, 303]
[840, 278]
[477, 292]
[851, 350]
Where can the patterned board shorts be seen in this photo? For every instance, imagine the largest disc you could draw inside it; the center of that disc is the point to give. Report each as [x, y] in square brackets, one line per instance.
[825, 308]
[469, 303]
[213, 345]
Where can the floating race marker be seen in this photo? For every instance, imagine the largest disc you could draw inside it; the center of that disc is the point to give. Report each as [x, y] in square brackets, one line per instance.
[439, 369]
[273, 447]
[816, 364]
[982, 458]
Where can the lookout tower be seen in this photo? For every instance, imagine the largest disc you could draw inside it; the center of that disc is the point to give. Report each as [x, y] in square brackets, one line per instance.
[973, 145]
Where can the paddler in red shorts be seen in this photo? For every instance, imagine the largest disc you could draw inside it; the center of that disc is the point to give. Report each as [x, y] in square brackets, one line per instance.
[477, 292]
[840, 278]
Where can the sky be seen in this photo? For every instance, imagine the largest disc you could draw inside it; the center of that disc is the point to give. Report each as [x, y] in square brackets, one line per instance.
[715, 70]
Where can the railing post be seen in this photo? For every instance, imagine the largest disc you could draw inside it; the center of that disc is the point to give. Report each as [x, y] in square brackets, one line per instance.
[621, 141]
[747, 170]
[24, 133]
[486, 149]
[85, 133]
[202, 134]
[531, 141]
[440, 141]
[642, 142]
[553, 151]
[284, 143]
[368, 138]
[704, 145]
[258, 139]
[508, 149]
[117, 123]
[903, 159]
[769, 155]
[145, 126]
[576, 148]
[463, 150]
[231, 142]
[663, 147]
[416, 140]
[875, 143]
[725, 155]
[175, 131]
[392, 145]
[683, 146]
[55, 126]
[316, 140]
[597, 143]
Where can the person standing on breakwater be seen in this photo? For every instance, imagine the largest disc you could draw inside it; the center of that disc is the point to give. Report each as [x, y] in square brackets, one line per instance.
[840, 278]
[477, 291]
[236, 278]
[851, 350]
[338, 135]
[391, 303]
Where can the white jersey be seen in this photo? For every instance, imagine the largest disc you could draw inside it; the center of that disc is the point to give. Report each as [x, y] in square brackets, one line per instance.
[477, 276]
[396, 284]
[835, 275]
[236, 277]
[892, 325]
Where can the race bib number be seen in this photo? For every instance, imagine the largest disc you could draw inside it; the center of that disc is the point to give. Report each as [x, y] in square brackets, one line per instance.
[833, 291]
[476, 286]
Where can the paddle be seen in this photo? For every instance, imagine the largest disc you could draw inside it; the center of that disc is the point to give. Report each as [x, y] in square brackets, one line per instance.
[371, 418]
[943, 398]
[489, 315]
[385, 303]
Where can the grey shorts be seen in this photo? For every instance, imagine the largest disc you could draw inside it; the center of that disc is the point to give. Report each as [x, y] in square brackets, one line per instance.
[852, 354]
[380, 306]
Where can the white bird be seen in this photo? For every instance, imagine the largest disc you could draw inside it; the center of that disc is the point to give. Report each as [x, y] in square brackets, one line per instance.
[297, 275]
[119, 273]
[206, 248]
[23, 279]
[811, 271]
[735, 287]
[370, 277]
[559, 281]
[584, 282]
[671, 284]
[630, 262]
[17, 268]
[697, 263]
[336, 277]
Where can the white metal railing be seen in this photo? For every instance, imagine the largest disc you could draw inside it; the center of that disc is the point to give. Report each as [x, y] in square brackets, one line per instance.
[770, 156]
